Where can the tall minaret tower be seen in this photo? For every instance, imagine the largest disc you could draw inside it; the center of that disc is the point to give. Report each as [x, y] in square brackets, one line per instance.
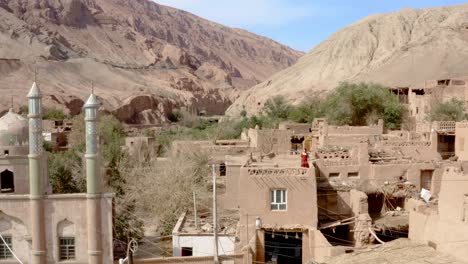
[39, 251]
[93, 181]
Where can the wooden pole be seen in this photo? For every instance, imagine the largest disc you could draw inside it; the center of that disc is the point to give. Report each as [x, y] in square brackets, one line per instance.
[215, 218]
[195, 214]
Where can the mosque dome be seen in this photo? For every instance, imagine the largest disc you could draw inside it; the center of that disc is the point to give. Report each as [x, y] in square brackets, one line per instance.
[13, 130]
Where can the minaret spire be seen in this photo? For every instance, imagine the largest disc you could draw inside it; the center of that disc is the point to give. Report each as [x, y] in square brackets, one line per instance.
[39, 250]
[93, 180]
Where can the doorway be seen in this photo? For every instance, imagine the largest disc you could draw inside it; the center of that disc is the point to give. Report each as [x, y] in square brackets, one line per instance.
[283, 247]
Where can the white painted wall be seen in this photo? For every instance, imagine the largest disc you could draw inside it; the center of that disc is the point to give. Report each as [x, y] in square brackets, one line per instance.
[203, 245]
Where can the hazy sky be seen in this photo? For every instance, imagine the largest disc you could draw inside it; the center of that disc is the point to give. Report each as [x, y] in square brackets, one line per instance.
[300, 24]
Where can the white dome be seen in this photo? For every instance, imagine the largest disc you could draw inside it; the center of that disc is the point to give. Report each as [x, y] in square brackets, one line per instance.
[13, 130]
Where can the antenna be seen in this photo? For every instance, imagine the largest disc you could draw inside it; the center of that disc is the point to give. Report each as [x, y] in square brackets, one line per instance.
[35, 70]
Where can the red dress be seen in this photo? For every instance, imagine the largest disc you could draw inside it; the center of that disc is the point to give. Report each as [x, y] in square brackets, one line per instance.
[305, 160]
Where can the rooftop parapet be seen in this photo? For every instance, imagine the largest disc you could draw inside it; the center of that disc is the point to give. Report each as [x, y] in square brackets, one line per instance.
[278, 171]
[444, 126]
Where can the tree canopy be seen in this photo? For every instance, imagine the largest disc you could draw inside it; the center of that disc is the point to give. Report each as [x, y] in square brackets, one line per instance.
[453, 110]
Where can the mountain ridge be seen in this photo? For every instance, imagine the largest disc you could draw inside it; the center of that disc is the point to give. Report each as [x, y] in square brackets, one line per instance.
[402, 48]
[144, 59]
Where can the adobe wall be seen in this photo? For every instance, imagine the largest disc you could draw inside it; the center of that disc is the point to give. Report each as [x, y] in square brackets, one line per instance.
[216, 152]
[461, 140]
[231, 259]
[355, 130]
[254, 198]
[347, 140]
[270, 140]
[322, 249]
[296, 128]
[378, 174]
[230, 198]
[445, 224]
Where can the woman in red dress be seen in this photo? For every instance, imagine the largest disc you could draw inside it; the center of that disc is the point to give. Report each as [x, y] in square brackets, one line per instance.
[305, 159]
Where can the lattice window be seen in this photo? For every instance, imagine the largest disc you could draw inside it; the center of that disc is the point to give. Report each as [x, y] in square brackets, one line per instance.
[279, 200]
[67, 248]
[5, 253]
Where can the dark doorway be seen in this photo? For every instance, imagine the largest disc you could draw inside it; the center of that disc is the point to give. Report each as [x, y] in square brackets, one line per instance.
[284, 247]
[375, 202]
[296, 144]
[222, 169]
[446, 146]
[338, 236]
[187, 251]
[7, 182]
[426, 179]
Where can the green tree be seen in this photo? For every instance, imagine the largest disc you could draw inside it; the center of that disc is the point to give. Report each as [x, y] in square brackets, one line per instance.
[453, 110]
[67, 174]
[307, 111]
[362, 104]
[54, 114]
[277, 107]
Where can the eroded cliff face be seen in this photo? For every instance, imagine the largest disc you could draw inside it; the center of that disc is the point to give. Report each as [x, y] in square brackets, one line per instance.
[403, 48]
[144, 59]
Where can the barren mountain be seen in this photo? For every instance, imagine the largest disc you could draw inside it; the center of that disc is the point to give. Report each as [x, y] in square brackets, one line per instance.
[144, 59]
[404, 48]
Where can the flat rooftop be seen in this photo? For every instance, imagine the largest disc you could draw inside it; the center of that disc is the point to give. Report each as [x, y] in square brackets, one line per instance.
[227, 221]
[400, 251]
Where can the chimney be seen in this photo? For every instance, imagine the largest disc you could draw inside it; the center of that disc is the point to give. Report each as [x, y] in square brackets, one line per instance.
[36, 192]
[93, 181]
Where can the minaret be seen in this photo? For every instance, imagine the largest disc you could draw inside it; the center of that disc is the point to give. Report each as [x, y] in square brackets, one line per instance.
[39, 251]
[93, 181]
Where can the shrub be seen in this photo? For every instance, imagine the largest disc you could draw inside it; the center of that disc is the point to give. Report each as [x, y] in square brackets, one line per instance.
[453, 110]
[362, 104]
[277, 107]
[54, 114]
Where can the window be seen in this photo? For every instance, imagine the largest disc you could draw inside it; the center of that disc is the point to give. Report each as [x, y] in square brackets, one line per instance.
[333, 175]
[5, 253]
[187, 251]
[7, 182]
[353, 174]
[278, 200]
[6, 152]
[67, 248]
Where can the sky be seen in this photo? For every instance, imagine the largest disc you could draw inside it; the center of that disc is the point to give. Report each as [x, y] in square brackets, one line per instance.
[300, 24]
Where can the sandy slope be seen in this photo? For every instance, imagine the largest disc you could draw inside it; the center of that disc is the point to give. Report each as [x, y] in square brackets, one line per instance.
[404, 48]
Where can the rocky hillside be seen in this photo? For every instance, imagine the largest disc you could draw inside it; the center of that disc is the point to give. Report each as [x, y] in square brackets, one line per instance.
[404, 48]
[144, 59]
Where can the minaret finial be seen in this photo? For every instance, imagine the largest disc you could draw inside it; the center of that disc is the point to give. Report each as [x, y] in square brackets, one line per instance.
[92, 87]
[35, 71]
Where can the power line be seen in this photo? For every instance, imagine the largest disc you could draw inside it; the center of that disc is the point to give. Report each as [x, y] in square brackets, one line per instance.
[8, 247]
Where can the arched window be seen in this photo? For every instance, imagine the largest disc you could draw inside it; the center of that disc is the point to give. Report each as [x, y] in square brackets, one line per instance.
[7, 181]
[66, 240]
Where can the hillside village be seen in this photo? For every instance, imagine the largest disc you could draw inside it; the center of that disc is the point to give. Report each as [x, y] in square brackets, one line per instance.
[365, 172]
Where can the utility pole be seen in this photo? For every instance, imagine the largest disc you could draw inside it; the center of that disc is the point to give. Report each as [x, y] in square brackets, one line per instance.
[247, 227]
[195, 214]
[215, 218]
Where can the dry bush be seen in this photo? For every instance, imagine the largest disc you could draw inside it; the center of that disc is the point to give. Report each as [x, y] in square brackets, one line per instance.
[163, 189]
